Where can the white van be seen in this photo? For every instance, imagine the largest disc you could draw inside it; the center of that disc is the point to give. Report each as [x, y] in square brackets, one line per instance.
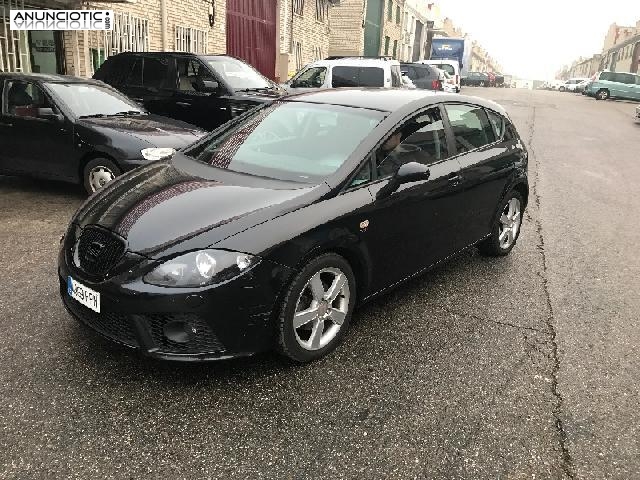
[452, 67]
[337, 72]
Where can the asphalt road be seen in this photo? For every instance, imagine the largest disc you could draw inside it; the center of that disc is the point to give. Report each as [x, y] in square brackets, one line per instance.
[520, 367]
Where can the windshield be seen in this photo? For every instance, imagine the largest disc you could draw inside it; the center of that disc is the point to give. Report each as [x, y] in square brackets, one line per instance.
[295, 141]
[238, 74]
[86, 100]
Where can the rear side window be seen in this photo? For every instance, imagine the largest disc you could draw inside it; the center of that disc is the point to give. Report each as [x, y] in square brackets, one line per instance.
[498, 123]
[115, 70]
[357, 77]
[470, 126]
[396, 76]
[135, 75]
[624, 78]
[155, 72]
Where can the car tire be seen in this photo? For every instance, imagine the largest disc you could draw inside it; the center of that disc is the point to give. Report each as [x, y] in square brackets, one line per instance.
[326, 313]
[506, 227]
[98, 172]
[562, 89]
[602, 94]
[482, 84]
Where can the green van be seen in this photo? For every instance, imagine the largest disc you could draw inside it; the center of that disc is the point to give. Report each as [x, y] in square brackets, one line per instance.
[615, 85]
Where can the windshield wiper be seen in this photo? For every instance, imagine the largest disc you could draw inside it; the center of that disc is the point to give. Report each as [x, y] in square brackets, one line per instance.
[258, 89]
[93, 115]
[128, 112]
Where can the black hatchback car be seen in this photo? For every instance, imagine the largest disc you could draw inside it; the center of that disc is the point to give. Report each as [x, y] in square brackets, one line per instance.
[77, 130]
[267, 233]
[205, 90]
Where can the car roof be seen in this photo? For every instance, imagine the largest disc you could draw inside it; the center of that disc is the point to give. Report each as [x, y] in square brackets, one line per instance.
[388, 99]
[47, 77]
[354, 62]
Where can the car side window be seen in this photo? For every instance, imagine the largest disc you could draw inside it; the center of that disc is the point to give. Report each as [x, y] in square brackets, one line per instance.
[311, 78]
[155, 73]
[470, 126]
[498, 123]
[135, 75]
[189, 72]
[364, 175]
[421, 139]
[23, 99]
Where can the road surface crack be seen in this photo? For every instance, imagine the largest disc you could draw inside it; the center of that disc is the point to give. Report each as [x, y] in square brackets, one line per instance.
[567, 461]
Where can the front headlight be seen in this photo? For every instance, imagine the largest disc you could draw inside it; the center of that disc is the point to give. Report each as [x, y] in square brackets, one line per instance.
[157, 153]
[200, 268]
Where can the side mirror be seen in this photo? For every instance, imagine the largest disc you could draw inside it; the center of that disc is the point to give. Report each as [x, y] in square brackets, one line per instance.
[49, 114]
[407, 173]
[206, 86]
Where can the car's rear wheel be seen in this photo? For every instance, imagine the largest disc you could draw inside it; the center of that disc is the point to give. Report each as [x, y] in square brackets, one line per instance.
[506, 228]
[602, 94]
[98, 172]
[317, 309]
[562, 89]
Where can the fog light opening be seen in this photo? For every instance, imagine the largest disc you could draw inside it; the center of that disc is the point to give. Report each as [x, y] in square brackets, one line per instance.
[178, 332]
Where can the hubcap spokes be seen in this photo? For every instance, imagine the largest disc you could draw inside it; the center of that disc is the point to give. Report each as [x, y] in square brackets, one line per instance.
[99, 176]
[509, 223]
[321, 309]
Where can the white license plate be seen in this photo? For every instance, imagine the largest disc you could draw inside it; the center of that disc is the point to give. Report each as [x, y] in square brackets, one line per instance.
[87, 297]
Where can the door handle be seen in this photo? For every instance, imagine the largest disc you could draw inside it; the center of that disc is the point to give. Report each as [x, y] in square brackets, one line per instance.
[183, 104]
[454, 179]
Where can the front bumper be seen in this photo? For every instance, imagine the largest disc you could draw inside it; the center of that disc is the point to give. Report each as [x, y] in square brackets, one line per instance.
[210, 323]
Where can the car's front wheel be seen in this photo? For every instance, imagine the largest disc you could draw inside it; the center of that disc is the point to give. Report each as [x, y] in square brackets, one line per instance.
[506, 228]
[317, 309]
[602, 94]
[98, 172]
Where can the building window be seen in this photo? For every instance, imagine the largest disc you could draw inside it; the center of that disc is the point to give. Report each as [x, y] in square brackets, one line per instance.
[317, 53]
[386, 45]
[398, 15]
[322, 10]
[297, 51]
[192, 40]
[395, 49]
[298, 7]
[390, 10]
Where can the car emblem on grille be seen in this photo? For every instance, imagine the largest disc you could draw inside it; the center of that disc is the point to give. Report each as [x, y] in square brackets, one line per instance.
[94, 250]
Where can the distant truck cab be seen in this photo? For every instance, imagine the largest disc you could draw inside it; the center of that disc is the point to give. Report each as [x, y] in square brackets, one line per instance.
[452, 49]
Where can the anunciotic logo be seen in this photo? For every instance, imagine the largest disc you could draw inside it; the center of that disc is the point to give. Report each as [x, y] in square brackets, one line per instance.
[61, 19]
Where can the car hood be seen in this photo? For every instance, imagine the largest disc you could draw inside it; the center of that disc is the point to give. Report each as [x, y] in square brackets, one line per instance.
[180, 204]
[155, 130]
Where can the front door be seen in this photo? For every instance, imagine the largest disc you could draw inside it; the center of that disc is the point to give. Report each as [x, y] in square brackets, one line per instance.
[21, 123]
[417, 225]
[207, 110]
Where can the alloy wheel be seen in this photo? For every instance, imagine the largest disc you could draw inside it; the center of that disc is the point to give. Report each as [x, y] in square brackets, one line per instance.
[99, 176]
[510, 221]
[321, 309]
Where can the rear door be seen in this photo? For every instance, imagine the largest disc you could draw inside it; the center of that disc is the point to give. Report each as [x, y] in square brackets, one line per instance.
[487, 162]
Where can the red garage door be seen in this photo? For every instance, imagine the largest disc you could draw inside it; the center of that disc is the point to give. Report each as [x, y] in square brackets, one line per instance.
[251, 33]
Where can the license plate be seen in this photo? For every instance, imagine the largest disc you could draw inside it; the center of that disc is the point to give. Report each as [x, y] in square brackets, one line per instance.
[86, 296]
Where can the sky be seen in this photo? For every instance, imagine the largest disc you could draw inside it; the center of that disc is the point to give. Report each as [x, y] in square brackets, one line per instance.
[534, 38]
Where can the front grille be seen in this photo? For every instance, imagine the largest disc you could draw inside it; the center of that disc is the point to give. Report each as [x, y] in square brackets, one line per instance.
[98, 250]
[116, 326]
[198, 337]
